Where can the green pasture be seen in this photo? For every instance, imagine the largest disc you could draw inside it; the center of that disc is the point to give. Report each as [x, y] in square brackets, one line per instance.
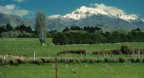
[99, 70]
[27, 46]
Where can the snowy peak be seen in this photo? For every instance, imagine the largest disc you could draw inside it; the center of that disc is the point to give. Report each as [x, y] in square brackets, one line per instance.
[99, 9]
[84, 12]
[80, 13]
[128, 17]
[89, 11]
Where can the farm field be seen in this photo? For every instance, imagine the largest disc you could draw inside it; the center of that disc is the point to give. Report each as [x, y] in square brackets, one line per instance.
[26, 46]
[99, 70]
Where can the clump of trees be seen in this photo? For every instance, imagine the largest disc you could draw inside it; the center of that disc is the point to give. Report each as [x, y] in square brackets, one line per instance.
[93, 35]
[21, 31]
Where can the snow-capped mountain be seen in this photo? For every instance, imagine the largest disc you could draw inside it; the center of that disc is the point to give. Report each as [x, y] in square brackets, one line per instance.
[84, 12]
[101, 14]
[106, 16]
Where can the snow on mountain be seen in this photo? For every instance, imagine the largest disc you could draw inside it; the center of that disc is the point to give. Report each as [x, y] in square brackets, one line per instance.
[84, 12]
[129, 17]
[99, 9]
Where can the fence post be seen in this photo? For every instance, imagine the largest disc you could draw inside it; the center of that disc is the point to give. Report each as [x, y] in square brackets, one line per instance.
[139, 54]
[56, 68]
[34, 55]
[86, 54]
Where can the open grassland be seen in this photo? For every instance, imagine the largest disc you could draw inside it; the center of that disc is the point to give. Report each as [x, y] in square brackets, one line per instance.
[65, 70]
[99, 70]
[26, 46]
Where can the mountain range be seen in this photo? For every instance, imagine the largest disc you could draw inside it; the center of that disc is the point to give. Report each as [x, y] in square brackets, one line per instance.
[83, 16]
[87, 16]
[15, 20]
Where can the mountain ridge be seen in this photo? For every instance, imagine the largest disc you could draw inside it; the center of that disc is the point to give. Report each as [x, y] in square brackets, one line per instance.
[108, 17]
[88, 16]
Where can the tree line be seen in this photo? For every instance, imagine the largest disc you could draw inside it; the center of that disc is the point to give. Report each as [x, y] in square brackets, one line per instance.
[93, 35]
[21, 31]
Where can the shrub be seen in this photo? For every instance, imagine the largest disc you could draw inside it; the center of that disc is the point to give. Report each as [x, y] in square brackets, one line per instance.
[141, 51]
[85, 60]
[136, 51]
[116, 52]
[50, 60]
[99, 60]
[20, 61]
[137, 60]
[92, 60]
[121, 60]
[44, 60]
[63, 60]
[13, 62]
[106, 60]
[95, 52]
[72, 52]
[62, 52]
[37, 61]
[124, 49]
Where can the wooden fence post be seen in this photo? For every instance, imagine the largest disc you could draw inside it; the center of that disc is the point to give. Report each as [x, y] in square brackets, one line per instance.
[56, 68]
[34, 55]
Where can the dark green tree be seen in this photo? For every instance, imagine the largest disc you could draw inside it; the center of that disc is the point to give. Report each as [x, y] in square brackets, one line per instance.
[9, 27]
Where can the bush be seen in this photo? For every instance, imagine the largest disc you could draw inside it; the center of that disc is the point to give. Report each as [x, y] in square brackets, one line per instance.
[137, 60]
[95, 52]
[99, 60]
[116, 52]
[106, 60]
[50, 60]
[92, 60]
[13, 62]
[72, 52]
[62, 52]
[37, 61]
[141, 51]
[121, 60]
[44, 60]
[124, 49]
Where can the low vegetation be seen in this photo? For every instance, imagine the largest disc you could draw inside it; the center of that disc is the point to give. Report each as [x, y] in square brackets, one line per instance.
[102, 60]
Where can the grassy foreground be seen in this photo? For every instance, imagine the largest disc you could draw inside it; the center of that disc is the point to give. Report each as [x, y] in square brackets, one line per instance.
[100, 70]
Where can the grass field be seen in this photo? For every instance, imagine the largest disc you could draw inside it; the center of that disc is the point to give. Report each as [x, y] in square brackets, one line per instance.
[100, 70]
[29, 45]
[82, 70]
